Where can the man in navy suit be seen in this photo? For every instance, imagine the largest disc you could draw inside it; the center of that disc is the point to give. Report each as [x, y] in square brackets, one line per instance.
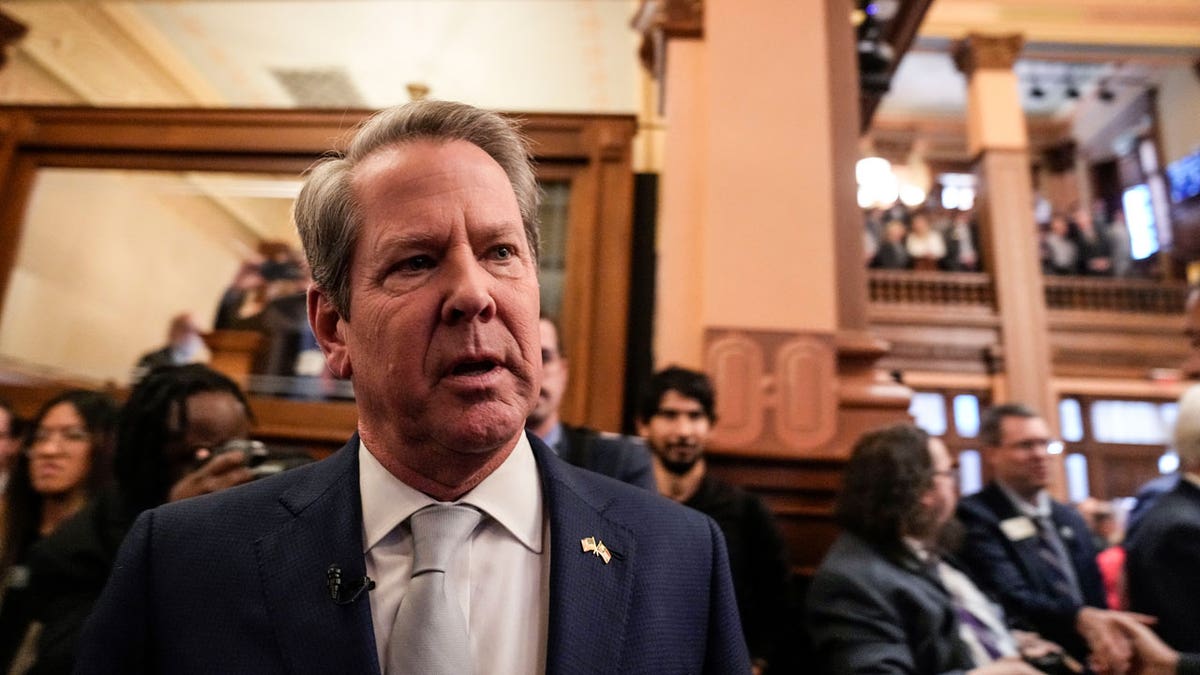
[1030, 551]
[422, 240]
[622, 457]
[1164, 552]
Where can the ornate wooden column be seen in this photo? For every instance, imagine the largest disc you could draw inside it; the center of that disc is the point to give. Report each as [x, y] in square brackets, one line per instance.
[997, 138]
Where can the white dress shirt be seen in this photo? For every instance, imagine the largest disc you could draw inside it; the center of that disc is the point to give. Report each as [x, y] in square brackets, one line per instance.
[502, 576]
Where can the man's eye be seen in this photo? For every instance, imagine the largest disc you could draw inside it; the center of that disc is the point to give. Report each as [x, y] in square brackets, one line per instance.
[416, 263]
[504, 252]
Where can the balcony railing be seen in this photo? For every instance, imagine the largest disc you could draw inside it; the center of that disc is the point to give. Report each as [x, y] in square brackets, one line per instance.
[958, 289]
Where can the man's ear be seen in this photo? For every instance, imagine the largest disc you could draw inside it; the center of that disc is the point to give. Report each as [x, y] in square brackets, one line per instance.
[328, 327]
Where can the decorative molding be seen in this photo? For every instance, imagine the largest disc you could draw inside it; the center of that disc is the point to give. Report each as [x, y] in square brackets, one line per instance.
[661, 20]
[978, 51]
[778, 391]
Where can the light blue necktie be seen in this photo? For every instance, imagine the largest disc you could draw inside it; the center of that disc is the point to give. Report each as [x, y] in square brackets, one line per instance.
[429, 636]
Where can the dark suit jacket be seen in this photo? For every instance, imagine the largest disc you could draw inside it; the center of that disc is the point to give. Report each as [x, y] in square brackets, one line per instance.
[1162, 566]
[1014, 573]
[868, 611]
[236, 582]
[622, 457]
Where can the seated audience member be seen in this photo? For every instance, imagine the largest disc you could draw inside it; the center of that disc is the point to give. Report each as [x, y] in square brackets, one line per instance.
[1030, 551]
[1060, 253]
[924, 244]
[962, 244]
[1162, 568]
[888, 597]
[66, 458]
[621, 457]
[184, 345]
[10, 445]
[1095, 252]
[676, 417]
[891, 254]
[175, 420]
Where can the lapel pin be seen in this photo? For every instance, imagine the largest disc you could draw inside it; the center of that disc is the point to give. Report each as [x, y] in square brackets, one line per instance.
[597, 548]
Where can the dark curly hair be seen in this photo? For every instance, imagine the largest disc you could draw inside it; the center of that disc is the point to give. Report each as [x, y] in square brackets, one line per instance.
[23, 505]
[152, 417]
[888, 472]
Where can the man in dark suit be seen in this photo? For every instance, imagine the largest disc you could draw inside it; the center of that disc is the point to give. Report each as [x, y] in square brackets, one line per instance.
[1032, 552]
[621, 457]
[1162, 564]
[885, 599]
[422, 241]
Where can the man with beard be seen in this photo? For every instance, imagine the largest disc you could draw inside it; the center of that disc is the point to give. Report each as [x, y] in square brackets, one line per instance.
[886, 598]
[675, 417]
[621, 457]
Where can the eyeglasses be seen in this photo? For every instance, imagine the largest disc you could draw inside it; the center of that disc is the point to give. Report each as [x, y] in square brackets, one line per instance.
[68, 434]
[952, 472]
[1029, 444]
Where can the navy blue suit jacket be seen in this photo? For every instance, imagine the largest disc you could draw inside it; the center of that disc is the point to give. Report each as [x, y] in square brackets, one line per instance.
[625, 458]
[1013, 572]
[236, 582]
[1162, 563]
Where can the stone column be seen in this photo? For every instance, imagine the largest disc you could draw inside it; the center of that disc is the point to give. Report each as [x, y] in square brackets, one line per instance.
[997, 138]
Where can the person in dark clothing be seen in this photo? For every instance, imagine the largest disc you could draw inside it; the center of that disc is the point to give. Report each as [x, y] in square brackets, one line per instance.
[63, 462]
[175, 419]
[675, 417]
[620, 457]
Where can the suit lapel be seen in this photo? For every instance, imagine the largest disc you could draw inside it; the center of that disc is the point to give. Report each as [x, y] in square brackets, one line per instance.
[589, 598]
[1026, 549]
[315, 633]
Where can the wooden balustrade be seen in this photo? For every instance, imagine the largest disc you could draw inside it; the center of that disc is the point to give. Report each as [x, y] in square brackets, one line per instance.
[1086, 294]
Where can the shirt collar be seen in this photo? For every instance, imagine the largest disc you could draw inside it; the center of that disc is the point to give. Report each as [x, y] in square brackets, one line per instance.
[511, 495]
[553, 436]
[1040, 508]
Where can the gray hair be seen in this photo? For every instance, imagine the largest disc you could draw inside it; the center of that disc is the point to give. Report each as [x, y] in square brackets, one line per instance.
[328, 215]
[1187, 428]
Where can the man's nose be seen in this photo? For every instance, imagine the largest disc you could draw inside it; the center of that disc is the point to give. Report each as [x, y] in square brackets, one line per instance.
[469, 292]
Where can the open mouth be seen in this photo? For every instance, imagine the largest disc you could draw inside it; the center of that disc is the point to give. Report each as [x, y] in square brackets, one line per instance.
[474, 367]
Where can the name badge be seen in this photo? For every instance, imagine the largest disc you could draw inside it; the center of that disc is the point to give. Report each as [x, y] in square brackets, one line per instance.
[1018, 528]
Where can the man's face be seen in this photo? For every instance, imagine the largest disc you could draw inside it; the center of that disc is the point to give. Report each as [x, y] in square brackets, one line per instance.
[213, 419]
[677, 432]
[942, 496]
[1022, 460]
[442, 343]
[554, 377]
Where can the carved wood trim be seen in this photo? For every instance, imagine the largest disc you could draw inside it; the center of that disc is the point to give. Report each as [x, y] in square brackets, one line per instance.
[979, 51]
[778, 391]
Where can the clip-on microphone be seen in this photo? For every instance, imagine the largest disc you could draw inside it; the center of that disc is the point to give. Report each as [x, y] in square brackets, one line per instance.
[333, 582]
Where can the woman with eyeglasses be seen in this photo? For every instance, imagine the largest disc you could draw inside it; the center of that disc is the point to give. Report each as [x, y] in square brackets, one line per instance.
[65, 458]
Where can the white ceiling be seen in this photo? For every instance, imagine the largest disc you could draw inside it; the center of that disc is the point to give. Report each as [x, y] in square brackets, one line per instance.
[533, 55]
